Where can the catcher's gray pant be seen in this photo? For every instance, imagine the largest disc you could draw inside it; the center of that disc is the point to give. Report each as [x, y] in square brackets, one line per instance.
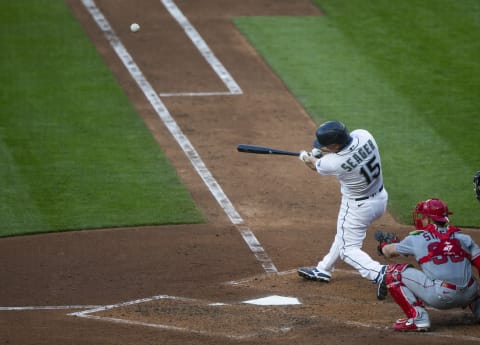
[437, 293]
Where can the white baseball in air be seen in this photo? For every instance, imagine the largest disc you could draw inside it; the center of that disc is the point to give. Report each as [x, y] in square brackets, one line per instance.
[134, 27]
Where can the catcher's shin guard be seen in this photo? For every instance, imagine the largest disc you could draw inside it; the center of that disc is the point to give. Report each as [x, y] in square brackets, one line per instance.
[399, 292]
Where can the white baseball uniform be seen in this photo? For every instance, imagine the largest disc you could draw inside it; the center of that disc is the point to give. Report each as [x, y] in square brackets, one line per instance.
[364, 199]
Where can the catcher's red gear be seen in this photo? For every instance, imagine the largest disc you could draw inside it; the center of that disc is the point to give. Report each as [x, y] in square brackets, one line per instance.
[433, 208]
[446, 248]
[476, 263]
[394, 286]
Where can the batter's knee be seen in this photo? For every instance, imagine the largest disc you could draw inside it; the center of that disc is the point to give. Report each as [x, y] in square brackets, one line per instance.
[351, 251]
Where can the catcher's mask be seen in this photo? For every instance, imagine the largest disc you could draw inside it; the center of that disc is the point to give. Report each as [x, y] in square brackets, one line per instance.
[433, 208]
[476, 184]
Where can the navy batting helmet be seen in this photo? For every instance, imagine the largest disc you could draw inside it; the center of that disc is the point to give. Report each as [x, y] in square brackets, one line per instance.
[332, 132]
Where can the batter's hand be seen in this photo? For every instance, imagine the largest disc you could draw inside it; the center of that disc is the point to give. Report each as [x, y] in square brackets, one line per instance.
[317, 153]
[308, 159]
[304, 155]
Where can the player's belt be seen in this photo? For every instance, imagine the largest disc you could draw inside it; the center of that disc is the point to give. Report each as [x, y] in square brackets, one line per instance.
[453, 286]
[366, 197]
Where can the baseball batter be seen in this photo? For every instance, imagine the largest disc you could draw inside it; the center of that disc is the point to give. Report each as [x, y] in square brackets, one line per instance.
[354, 159]
[445, 256]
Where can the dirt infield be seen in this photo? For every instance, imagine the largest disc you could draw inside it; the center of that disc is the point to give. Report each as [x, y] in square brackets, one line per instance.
[189, 284]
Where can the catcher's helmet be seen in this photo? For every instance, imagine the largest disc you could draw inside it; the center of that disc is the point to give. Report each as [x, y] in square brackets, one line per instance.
[433, 208]
[332, 132]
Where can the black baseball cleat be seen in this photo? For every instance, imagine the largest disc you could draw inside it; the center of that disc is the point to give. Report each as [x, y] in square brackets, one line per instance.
[382, 290]
[313, 274]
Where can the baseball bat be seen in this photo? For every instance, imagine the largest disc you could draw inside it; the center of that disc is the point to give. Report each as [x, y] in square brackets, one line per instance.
[264, 150]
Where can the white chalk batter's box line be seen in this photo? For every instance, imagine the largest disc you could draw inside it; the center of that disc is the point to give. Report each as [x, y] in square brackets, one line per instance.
[88, 311]
[88, 315]
[197, 94]
[273, 331]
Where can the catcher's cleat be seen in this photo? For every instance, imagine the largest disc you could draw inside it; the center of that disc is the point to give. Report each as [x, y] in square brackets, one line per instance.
[382, 290]
[314, 274]
[411, 325]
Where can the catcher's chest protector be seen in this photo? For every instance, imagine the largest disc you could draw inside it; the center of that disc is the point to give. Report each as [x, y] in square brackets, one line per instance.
[439, 252]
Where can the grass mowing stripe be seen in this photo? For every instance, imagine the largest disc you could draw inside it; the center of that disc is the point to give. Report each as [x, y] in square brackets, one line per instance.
[357, 65]
[428, 53]
[15, 189]
[78, 153]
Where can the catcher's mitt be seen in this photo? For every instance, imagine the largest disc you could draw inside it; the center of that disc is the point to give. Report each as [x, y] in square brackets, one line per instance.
[385, 238]
[476, 184]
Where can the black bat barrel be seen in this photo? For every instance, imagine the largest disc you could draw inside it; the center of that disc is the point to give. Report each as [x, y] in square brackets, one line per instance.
[264, 150]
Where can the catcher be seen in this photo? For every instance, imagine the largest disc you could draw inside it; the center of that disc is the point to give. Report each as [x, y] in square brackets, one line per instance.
[445, 255]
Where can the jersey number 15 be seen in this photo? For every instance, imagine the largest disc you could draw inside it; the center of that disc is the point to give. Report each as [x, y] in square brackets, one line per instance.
[371, 170]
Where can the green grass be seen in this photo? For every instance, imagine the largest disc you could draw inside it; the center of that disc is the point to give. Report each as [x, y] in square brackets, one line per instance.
[408, 71]
[74, 154]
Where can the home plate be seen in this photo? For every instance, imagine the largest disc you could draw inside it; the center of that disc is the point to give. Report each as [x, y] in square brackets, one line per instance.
[274, 300]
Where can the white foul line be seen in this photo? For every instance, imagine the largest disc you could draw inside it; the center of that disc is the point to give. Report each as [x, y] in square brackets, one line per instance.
[177, 133]
[202, 48]
[54, 307]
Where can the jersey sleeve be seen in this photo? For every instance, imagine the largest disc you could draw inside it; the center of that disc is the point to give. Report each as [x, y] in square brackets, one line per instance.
[470, 246]
[327, 165]
[405, 246]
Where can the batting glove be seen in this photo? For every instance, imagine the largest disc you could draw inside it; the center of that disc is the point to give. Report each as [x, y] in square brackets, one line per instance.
[317, 153]
[304, 155]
